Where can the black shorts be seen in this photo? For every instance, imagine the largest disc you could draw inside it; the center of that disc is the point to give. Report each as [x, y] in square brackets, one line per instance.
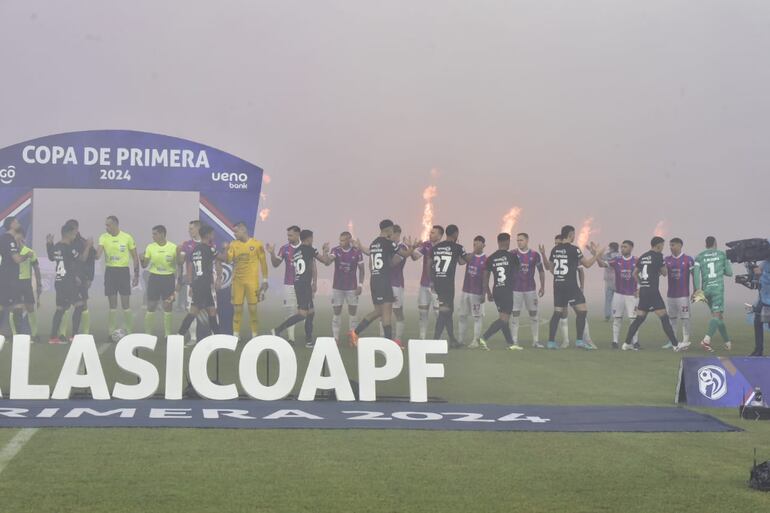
[117, 281]
[10, 291]
[202, 296]
[83, 289]
[160, 287]
[650, 301]
[567, 295]
[446, 295]
[304, 293]
[27, 295]
[382, 292]
[503, 300]
[66, 293]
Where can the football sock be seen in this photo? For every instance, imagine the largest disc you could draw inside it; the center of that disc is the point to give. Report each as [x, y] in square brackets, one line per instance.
[713, 327]
[514, 327]
[493, 328]
[580, 324]
[723, 330]
[336, 323]
[254, 320]
[362, 325]
[213, 324]
[237, 317]
[291, 321]
[506, 328]
[387, 331]
[423, 324]
[353, 321]
[57, 317]
[309, 328]
[85, 322]
[462, 326]
[399, 329]
[553, 325]
[669, 330]
[634, 328]
[535, 324]
[186, 323]
[167, 318]
[32, 318]
[564, 325]
[112, 318]
[149, 322]
[128, 319]
[617, 322]
[77, 317]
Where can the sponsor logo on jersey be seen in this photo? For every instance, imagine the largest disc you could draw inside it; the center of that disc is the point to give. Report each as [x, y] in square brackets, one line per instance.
[234, 180]
[712, 382]
[7, 174]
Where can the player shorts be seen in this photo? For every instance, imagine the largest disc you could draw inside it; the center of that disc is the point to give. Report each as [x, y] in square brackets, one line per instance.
[526, 299]
[160, 287]
[10, 293]
[304, 294]
[446, 295]
[567, 295]
[66, 293]
[83, 290]
[471, 304]
[117, 281]
[248, 290]
[398, 297]
[289, 296]
[650, 301]
[26, 293]
[715, 299]
[381, 293]
[678, 307]
[202, 297]
[426, 297]
[624, 305]
[340, 297]
[503, 300]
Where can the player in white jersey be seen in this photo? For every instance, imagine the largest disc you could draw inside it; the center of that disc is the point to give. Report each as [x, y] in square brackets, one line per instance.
[285, 255]
[427, 297]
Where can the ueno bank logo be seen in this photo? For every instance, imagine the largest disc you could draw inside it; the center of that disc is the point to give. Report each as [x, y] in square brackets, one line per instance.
[234, 180]
[7, 174]
[712, 382]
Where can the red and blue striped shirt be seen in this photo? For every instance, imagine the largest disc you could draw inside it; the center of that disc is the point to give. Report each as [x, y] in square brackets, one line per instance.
[625, 283]
[679, 270]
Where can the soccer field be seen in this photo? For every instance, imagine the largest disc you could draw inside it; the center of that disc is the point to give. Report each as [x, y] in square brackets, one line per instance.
[170, 470]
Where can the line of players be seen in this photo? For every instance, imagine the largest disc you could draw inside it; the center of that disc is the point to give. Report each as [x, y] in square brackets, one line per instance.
[514, 287]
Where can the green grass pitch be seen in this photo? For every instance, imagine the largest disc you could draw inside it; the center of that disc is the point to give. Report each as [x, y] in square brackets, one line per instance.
[211, 470]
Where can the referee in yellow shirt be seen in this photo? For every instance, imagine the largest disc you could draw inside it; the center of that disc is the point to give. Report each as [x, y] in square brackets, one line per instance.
[162, 258]
[118, 249]
[250, 262]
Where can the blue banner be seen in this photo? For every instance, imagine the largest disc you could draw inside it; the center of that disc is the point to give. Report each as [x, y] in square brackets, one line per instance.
[718, 382]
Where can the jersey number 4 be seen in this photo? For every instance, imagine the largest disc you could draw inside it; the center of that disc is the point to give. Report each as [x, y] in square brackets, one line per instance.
[61, 272]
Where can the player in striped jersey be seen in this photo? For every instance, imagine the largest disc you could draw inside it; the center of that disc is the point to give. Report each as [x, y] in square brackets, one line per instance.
[626, 295]
[286, 256]
[525, 292]
[427, 297]
[397, 282]
[680, 268]
[472, 297]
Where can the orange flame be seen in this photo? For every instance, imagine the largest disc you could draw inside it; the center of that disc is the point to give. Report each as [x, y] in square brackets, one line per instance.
[510, 219]
[584, 236]
[434, 173]
[264, 214]
[660, 229]
[428, 194]
[266, 179]
[350, 228]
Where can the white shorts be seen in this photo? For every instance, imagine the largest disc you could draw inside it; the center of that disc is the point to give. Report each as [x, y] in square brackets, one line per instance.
[289, 296]
[340, 297]
[427, 298]
[471, 304]
[623, 304]
[398, 297]
[678, 307]
[525, 299]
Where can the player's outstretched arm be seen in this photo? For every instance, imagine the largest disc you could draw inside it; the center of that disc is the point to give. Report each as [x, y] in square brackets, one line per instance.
[596, 254]
[546, 261]
[541, 274]
[325, 257]
[728, 266]
[38, 279]
[487, 290]
[49, 246]
[361, 275]
[145, 260]
[273, 259]
[87, 250]
[135, 258]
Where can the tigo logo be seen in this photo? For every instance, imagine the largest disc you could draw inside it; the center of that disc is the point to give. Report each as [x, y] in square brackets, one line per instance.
[7, 174]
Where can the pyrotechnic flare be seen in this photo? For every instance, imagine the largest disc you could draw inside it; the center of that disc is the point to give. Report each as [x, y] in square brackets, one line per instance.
[660, 229]
[585, 233]
[510, 219]
[428, 194]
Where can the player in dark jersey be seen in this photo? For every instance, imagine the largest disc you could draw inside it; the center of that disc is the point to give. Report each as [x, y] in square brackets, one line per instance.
[305, 284]
[502, 266]
[446, 256]
[204, 261]
[10, 288]
[64, 256]
[86, 264]
[563, 263]
[383, 256]
[649, 268]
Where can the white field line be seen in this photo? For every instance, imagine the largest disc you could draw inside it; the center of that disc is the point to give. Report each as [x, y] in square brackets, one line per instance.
[24, 435]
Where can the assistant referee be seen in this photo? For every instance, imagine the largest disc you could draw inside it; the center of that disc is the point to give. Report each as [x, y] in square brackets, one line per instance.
[117, 246]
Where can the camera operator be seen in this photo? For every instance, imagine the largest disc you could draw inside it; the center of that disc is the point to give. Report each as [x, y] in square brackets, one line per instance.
[762, 307]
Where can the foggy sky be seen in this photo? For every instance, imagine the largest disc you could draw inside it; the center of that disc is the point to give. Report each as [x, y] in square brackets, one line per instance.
[631, 112]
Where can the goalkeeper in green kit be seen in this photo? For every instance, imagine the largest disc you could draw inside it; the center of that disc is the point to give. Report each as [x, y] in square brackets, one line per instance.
[711, 266]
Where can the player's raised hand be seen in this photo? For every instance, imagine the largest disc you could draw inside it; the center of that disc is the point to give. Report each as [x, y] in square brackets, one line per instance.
[270, 248]
[541, 248]
[89, 242]
[325, 248]
[49, 239]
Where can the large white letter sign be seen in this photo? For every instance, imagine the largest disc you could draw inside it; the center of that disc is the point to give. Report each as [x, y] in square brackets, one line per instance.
[287, 365]
[420, 370]
[20, 387]
[198, 368]
[369, 373]
[149, 379]
[326, 350]
[174, 367]
[83, 349]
